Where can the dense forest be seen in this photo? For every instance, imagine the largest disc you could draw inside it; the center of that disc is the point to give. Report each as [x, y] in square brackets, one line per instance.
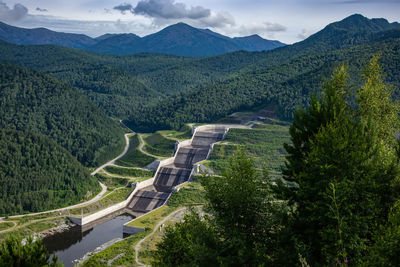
[285, 86]
[38, 103]
[38, 174]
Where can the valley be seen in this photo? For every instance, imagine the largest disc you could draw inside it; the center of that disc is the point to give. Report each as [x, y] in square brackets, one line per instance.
[190, 140]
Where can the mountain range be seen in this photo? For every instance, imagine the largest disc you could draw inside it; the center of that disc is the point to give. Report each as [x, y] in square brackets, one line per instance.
[179, 39]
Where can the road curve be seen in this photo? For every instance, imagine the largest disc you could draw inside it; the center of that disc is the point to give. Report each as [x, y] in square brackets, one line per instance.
[111, 162]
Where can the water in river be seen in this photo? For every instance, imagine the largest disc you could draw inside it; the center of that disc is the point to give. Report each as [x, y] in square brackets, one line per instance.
[74, 244]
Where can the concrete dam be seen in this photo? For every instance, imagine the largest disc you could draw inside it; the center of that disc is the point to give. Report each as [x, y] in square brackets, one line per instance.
[155, 192]
[178, 172]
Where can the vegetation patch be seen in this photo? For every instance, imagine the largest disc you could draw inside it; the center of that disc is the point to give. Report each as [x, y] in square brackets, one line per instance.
[110, 199]
[6, 225]
[120, 254]
[264, 143]
[38, 174]
[130, 172]
[184, 133]
[152, 218]
[134, 157]
[112, 182]
[157, 144]
[190, 194]
[40, 226]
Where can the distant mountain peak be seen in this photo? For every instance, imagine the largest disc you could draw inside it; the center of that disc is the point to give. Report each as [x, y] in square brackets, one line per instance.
[178, 39]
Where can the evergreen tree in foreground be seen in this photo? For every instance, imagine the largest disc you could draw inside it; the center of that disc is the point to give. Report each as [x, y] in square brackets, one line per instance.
[344, 159]
[246, 226]
[31, 254]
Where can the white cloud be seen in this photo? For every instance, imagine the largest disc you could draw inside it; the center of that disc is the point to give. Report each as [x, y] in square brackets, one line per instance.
[305, 33]
[16, 13]
[263, 28]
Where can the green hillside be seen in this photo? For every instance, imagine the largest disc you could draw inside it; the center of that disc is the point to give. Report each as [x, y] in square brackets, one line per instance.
[38, 103]
[285, 86]
[38, 174]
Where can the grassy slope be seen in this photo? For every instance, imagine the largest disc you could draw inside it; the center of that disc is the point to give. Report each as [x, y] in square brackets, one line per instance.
[157, 144]
[264, 143]
[133, 157]
[129, 172]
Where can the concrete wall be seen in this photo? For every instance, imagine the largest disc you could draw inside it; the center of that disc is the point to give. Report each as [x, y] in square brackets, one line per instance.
[95, 216]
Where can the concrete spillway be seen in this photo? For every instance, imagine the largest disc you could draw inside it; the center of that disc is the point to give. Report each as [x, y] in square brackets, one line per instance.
[145, 201]
[178, 172]
[153, 193]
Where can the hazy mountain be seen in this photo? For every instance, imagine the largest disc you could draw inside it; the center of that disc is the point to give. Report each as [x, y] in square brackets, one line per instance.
[43, 36]
[183, 40]
[256, 43]
[178, 39]
[353, 30]
[112, 43]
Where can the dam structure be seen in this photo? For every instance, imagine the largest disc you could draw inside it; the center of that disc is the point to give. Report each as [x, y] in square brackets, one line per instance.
[155, 192]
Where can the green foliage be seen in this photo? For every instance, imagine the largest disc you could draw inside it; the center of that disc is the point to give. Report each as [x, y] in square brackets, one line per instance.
[307, 122]
[246, 214]
[112, 182]
[37, 174]
[130, 172]
[386, 248]
[190, 243]
[189, 195]
[344, 159]
[5, 225]
[38, 103]
[33, 253]
[157, 144]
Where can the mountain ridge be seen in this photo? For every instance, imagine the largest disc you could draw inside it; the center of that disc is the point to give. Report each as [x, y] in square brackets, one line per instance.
[178, 39]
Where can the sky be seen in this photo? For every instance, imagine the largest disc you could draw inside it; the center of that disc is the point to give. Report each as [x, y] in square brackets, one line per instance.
[288, 21]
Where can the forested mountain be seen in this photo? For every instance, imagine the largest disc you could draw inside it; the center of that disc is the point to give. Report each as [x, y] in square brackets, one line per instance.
[256, 43]
[112, 43]
[282, 78]
[38, 174]
[122, 84]
[43, 36]
[178, 39]
[38, 103]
